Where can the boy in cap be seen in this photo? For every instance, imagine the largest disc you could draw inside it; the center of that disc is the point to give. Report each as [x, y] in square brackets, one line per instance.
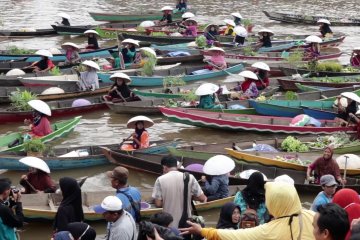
[121, 226]
[328, 185]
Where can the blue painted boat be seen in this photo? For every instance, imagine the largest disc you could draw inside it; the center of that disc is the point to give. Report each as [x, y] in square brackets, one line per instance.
[320, 114]
[277, 48]
[104, 52]
[285, 108]
[140, 81]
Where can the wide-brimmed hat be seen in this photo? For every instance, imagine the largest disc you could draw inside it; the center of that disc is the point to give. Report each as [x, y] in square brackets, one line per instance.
[265, 30]
[69, 44]
[207, 28]
[35, 162]
[206, 89]
[167, 8]
[247, 173]
[147, 121]
[109, 204]
[130, 40]
[91, 64]
[249, 74]
[323, 20]
[313, 39]
[240, 31]
[216, 49]
[261, 65]
[64, 15]
[40, 106]
[121, 75]
[91, 32]
[43, 52]
[146, 24]
[230, 22]
[236, 14]
[218, 165]
[148, 50]
[351, 96]
[191, 20]
[188, 15]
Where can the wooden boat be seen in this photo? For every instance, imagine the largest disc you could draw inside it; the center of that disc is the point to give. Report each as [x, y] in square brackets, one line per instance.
[347, 81]
[103, 52]
[49, 81]
[58, 109]
[60, 129]
[26, 33]
[284, 108]
[158, 79]
[269, 160]
[84, 156]
[165, 59]
[291, 71]
[320, 114]
[152, 164]
[306, 88]
[144, 107]
[115, 17]
[239, 122]
[308, 19]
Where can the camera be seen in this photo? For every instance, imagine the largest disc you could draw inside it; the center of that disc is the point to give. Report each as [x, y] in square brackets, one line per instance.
[13, 190]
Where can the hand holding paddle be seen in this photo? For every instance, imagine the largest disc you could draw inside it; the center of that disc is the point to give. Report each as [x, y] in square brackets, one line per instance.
[124, 140]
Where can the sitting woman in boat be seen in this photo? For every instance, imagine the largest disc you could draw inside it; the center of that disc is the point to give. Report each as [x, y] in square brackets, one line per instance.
[37, 180]
[240, 35]
[119, 91]
[72, 53]
[229, 216]
[141, 136]
[210, 32]
[129, 50]
[216, 182]
[217, 59]
[40, 125]
[65, 19]
[167, 16]
[208, 97]
[346, 104]
[114, 59]
[262, 72]
[248, 87]
[89, 80]
[146, 56]
[92, 40]
[181, 6]
[325, 29]
[252, 200]
[45, 64]
[313, 49]
[230, 24]
[355, 57]
[324, 165]
[265, 38]
[70, 209]
[237, 18]
[191, 28]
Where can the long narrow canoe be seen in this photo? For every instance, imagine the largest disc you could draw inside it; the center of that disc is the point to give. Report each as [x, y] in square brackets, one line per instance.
[239, 122]
[291, 71]
[58, 109]
[49, 81]
[308, 19]
[268, 159]
[144, 107]
[26, 33]
[60, 129]
[334, 82]
[116, 17]
[139, 81]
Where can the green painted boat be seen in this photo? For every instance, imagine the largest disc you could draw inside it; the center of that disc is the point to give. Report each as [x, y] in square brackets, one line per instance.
[60, 129]
[116, 17]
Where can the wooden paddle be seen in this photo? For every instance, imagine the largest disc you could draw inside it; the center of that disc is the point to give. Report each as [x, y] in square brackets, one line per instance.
[217, 67]
[124, 140]
[346, 160]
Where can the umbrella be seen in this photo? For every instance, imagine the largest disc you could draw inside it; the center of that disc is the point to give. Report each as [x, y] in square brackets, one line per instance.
[147, 121]
[206, 89]
[195, 167]
[353, 161]
[300, 120]
[219, 165]
[35, 162]
[40, 106]
[261, 65]
[247, 173]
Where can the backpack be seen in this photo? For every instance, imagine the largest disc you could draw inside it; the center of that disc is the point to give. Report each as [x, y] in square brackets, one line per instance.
[136, 206]
[249, 218]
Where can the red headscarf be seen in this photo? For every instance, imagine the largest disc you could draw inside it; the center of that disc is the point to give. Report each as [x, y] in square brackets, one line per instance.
[246, 84]
[350, 201]
[324, 166]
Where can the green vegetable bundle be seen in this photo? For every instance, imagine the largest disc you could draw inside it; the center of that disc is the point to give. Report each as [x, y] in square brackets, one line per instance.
[291, 144]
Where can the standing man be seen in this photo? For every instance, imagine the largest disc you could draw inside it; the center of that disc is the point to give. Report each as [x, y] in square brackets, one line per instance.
[169, 190]
[329, 186]
[121, 224]
[129, 196]
[8, 220]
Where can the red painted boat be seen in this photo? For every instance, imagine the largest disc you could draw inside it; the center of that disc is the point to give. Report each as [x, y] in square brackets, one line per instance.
[242, 122]
[58, 109]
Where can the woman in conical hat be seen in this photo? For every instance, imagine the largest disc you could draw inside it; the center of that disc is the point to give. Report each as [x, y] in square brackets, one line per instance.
[92, 40]
[120, 91]
[40, 125]
[89, 79]
[45, 64]
[140, 136]
[167, 17]
[72, 52]
[325, 29]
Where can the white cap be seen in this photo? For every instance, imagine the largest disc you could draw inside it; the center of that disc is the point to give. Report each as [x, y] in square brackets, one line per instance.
[351, 95]
[110, 203]
[216, 49]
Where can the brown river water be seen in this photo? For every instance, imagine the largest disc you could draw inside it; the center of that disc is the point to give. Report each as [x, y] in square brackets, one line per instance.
[104, 127]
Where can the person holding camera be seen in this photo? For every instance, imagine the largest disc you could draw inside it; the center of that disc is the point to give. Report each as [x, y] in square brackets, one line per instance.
[8, 220]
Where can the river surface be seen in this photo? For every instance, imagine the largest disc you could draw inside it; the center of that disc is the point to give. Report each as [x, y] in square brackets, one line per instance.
[104, 127]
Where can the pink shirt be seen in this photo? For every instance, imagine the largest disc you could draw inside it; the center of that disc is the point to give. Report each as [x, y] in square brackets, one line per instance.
[42, 129]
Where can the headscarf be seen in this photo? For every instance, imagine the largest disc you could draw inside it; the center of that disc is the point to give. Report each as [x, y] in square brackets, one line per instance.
[138, 134]
[225, 220]
[349, 200]
[83, 230]
[254, 192]
[71, 192]
[324, 166]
